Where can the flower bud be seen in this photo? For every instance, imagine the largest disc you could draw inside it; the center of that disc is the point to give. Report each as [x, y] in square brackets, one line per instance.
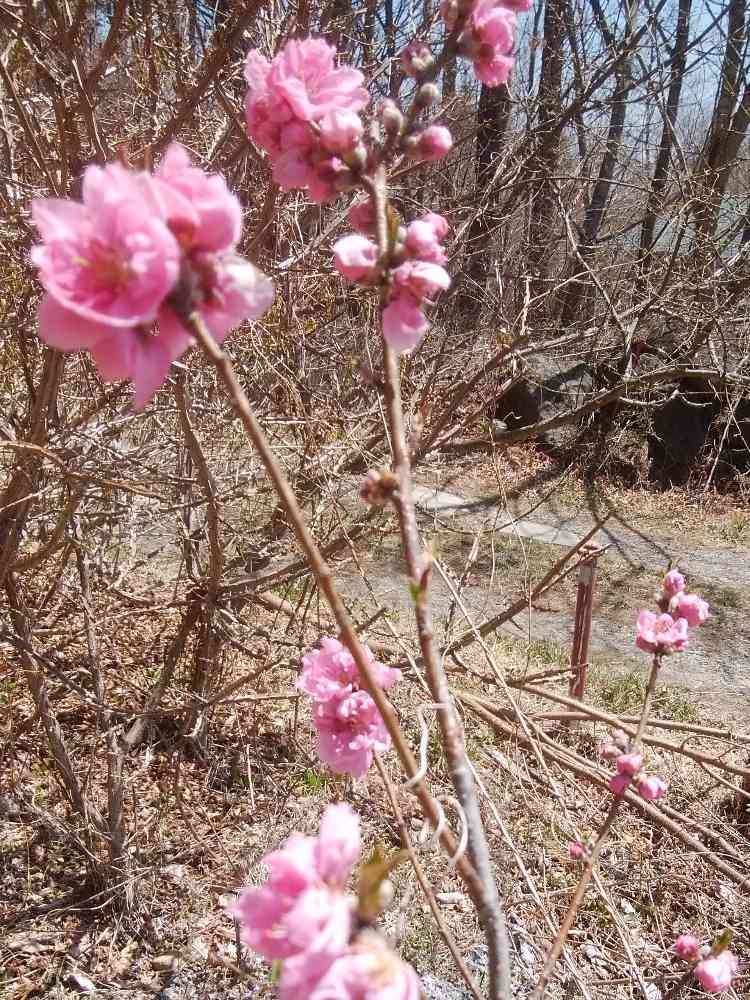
[378, 487]
[427, 95]
[417, 59]
[629, 764]
[357, 158]
[576, 851]
[391, 117]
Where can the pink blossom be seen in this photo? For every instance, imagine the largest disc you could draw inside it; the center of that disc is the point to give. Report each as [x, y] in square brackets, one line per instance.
[303, 74]
[300, 907]
[618, 783]
[338, 845]
[423, 243]
[350, 729]
[340, 131]
[421, 278]
[715, 973]
[368, 970]
[287, 97]
[361, 216]
[691, 607]
[438, 223]
[202, 212]
[355, 257]
[434, 143]
[651, 787]
[673, 583]
[262, 910]
[661, 633]
[107, 264]
[404, 323]
[576, 850]
[493, 24]
[520, 6]
[492, 67]
[111, 260]
[629, 764]
[331, 671]
[688, 947]
[416, 58]
[318, 922]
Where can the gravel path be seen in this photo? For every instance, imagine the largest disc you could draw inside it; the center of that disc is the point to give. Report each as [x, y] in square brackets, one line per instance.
[718, 663]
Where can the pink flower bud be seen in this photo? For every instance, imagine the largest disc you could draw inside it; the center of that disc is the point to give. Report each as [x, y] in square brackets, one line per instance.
[690, 607]
[687, 947]
[423, 242]
[609, 751]
[417, 58]
[715, 974]
[404, 323]
[576, 850]
[651, 787]
[377, 487]
[391, 117]
[355, 257]
[629, 764]
[361, 216]
[673, 583]
[340, 131]
[434, 143]
[618, 783]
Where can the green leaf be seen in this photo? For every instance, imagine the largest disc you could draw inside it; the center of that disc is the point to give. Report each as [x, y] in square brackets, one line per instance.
[722, 942]
[372, 874]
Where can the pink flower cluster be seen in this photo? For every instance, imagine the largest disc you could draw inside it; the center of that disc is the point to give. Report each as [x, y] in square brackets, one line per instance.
[302, 916]
[486, 34]
[714, 972]
[110, 263]
[303, 111]
[350, 728]
[629, 768]
[417, 276]
[667, 632]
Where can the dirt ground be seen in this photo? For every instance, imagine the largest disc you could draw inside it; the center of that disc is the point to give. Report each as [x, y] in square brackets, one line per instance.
[199, 823]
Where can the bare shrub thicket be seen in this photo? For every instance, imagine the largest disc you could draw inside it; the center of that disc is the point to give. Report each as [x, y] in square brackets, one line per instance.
[155, 603]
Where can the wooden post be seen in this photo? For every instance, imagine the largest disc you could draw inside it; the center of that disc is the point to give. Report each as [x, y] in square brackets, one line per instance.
[579, 656]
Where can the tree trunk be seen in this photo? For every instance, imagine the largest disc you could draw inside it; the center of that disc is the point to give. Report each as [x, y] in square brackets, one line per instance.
[664, 156]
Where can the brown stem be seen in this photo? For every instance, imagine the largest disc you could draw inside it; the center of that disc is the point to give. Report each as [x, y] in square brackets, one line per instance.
[322, 573]
[593, 856]
[424, 883]
[491, 911]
